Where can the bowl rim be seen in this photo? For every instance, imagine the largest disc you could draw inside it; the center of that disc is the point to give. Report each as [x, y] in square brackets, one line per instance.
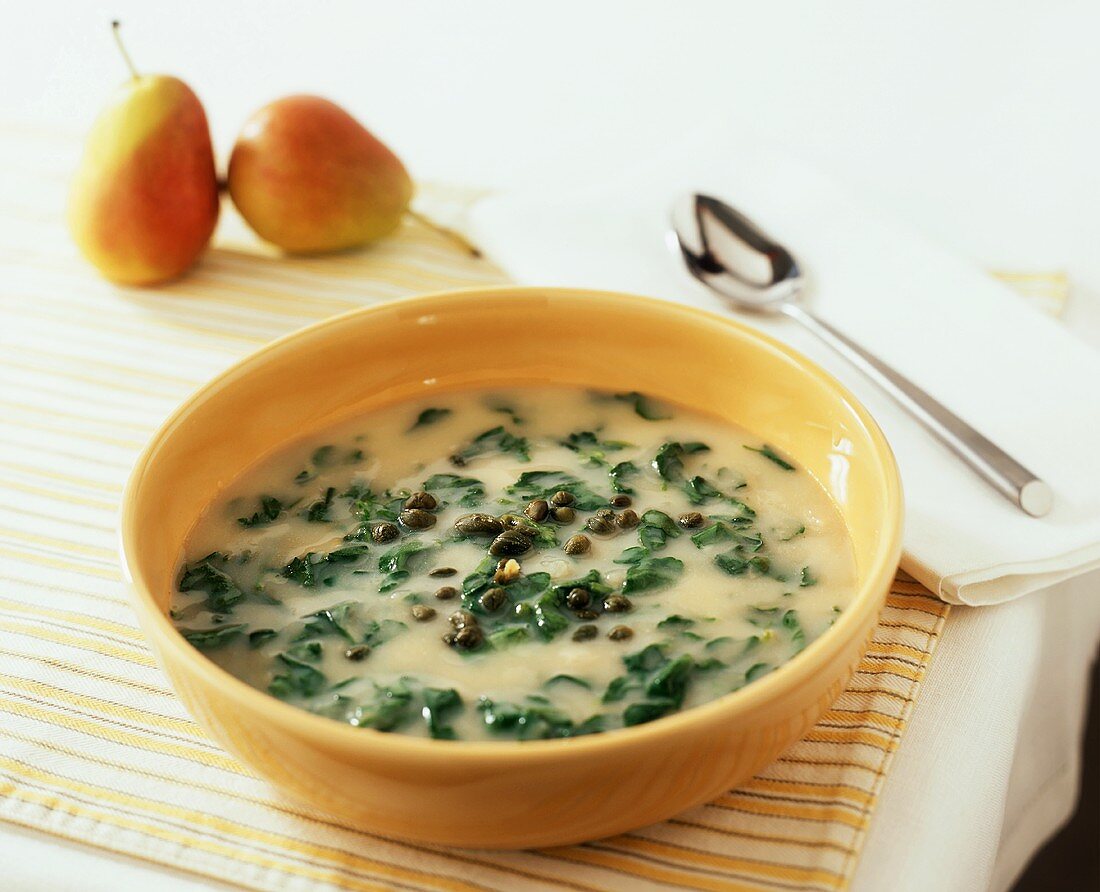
[163, 634]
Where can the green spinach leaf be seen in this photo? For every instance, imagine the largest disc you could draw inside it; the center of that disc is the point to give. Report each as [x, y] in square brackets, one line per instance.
[376, 633]
[532, 721]
[652, 572]
[645, 660]
[671, 680]
[644, 405]
[323, 456]
[698, 490]
[202, 576]
[508, 636]
[647, 711]
[318, 512]
[669, 460]
[591, 449]
[348, 554]
[298, 678]
[563, 678]
[308, 570]
[448, 488]
[208, 639]
[735, 563]
[620, 473]
[258, 637]
[794, 534]
[543, 484]
[656, 529]
[497, 439]
[334, 620]
[396, 563]
[675, 621]
[390, 707]
[771, 455]
[633, 555]
[307, 652]
[429, 416]
[270, 509]
[438, 702]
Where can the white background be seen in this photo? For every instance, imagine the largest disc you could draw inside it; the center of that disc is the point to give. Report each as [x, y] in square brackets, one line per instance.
[978, 122]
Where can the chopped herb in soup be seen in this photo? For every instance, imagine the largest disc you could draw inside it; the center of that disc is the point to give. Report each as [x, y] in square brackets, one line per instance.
[526, 564]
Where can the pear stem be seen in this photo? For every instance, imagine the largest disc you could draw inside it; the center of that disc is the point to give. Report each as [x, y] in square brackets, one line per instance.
[115, 26]
[449, 234]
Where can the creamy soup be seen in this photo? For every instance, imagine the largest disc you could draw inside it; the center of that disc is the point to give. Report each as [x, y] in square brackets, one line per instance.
[533, 563]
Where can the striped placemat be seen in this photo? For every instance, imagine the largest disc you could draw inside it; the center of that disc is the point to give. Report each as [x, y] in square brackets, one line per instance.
[94, 746]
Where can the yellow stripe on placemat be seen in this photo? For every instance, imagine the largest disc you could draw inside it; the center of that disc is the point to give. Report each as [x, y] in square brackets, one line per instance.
[94, 747]
[1050, 291]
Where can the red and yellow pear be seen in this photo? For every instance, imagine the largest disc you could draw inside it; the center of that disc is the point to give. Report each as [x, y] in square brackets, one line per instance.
[309, 178]
[145, 199]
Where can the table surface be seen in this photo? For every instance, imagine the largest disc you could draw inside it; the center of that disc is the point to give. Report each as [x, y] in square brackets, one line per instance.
[964, 120]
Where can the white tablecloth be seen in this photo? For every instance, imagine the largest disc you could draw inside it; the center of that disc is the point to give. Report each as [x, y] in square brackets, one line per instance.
[990, 763]
[963, 118]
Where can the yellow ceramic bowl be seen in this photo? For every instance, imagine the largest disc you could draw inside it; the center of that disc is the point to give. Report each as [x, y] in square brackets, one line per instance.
[511, 794]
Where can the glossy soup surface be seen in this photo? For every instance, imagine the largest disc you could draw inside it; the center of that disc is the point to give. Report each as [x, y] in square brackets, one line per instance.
[411, 571]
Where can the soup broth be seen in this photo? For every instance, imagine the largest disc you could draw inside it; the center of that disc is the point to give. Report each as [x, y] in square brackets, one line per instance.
[524, 564]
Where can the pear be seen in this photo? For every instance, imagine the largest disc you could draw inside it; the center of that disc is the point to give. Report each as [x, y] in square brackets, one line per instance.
[145, 199]
[308, 177]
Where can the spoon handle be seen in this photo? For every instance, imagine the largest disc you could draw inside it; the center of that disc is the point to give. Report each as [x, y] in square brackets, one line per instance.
[993, 464]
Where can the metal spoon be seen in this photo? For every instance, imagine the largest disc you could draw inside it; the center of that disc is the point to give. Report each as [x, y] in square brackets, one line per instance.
[729, 254]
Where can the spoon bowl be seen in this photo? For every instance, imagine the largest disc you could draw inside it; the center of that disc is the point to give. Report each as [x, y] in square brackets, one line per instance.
[731, 255]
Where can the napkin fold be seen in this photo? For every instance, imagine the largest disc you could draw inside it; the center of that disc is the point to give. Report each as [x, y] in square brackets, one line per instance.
[1018, 376]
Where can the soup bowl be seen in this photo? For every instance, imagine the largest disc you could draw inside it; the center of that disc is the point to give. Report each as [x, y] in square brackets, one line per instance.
[510, 794]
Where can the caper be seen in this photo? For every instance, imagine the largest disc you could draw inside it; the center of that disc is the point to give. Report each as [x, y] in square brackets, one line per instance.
[448, 637]
[510, 542]
[358, 652]
[617, 604]
[478, 525]
[578, 598]
[586, 614]
[600, 525]
[459, 461]
[462, 618]
[468, 637]
[691, 519]
[384, 532]
[421, 499]
[620, 633]
[492, 598]
[537, 509]
[577, 544]
[520, 524]
[446, 593]
[628, 519]
[563, 514]
[621, 501]
[605, 513]
[585, 633]
[562, 498]
[416, 518]
[440, 572]
[507, 572]
[422, 613]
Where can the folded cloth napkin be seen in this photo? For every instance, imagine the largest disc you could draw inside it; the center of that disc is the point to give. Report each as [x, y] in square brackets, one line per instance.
[1017, 376]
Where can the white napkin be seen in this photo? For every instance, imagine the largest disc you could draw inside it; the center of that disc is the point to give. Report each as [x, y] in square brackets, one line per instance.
[1017, 376]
